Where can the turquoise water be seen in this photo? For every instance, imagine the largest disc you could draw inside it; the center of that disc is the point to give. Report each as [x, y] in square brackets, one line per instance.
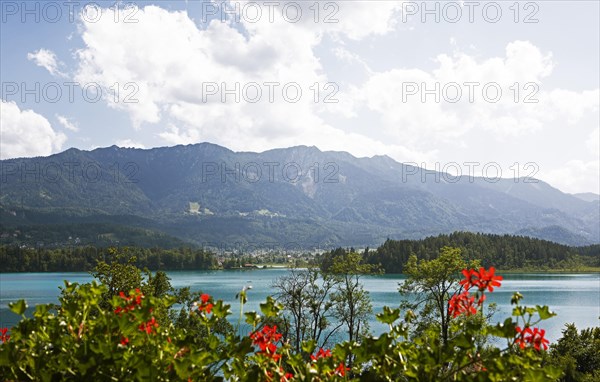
[574, 297]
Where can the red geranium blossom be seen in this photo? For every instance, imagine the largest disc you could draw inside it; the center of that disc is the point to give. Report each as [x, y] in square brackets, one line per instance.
[321, 354]
[522, 335]
[124, 341]
[487, 279]
[534, 337]
[481, 279]
[3, 336]
[463, 303]
[266, 339]
[149, 326]
[132, 301]
[205, 305]
[538, 340]
[471, 278]
[341, 369]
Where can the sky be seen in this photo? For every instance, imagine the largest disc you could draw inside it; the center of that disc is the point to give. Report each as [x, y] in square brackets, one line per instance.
[452, 86]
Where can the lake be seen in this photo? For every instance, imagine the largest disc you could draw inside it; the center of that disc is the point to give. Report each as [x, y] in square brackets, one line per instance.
[574, 297]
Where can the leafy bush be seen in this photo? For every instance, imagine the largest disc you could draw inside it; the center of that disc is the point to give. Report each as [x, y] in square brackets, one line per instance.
[81, 339]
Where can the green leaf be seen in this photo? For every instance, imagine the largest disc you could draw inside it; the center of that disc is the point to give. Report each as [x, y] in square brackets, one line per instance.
[18, 307]
[504, 329]
[518, 311]
[516, 297]
[544, 312]
[463, 341]
[271, 308]
[388, 316]
[309, 346]
[252, 318]
[221, 310]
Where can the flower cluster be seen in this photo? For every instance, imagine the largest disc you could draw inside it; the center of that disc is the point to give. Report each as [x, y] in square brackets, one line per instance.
[321, 354]
[534, 337]
[465, 303]
[285, 377]
[481, 279]
[149, 326]
[133, 301]
[326, 353]
[266, 340]
[205, 305]
[468, 304]
[3, 336]
[341, 370]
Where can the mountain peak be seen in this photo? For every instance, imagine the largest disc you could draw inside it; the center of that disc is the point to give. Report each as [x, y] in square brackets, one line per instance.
[206, 192]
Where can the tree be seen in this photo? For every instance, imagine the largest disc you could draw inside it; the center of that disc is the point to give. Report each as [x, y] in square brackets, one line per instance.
[352, 302]
[578, 354]
[305, 295]
[120, 275]
[433, 283]
[124, 341]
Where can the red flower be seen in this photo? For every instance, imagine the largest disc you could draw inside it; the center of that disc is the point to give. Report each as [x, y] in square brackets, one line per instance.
[321, 354]
[487, 279]
[538, 340]
[341, 369]
[205, 305]
[124, 341]
[522, 334]
[3, 336]
[149, 326]
[481, 279]
[463, 303]
[132, 301]
[287, 377]
[534, 337]
[265, 340]
[471, 278]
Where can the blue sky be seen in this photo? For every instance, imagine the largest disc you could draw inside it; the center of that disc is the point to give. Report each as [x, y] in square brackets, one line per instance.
[377, 59]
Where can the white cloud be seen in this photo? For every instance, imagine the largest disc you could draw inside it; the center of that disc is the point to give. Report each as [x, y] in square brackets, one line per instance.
[25, 133]
[576, 176]
[170, 59]
[569, 104]
[46, 59]
[409, 111]
[358, 20]
[66, 123]
[593, 142]
[130, 143]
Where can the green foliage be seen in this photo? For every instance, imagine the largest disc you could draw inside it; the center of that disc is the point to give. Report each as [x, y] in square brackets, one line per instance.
[351, 301]
[85, 258]
[119, 275]
[308, 309]
[578, 354]
[503, 251]
[55, 230]
[99, 333]
[434, 282]
[76, 340]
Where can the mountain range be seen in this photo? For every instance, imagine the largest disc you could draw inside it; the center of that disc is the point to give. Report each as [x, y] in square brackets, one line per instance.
[292, 197]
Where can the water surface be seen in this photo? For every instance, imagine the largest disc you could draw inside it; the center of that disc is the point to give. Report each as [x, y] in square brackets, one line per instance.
[574, 297]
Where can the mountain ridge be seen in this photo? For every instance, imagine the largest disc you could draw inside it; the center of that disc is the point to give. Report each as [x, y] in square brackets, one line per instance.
[199, 192]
